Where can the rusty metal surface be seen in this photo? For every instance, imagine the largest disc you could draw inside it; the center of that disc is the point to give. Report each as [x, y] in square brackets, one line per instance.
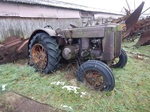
[13, 48]
[96, 31]
[135, 27]
[39, 56]
[94, 80]
[141, 28]
[143, 40]
[132, 20]
[117, 50]
[108, 46]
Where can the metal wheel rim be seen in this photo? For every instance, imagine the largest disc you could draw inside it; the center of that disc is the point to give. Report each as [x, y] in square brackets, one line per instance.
[94, 80]
[39, 56]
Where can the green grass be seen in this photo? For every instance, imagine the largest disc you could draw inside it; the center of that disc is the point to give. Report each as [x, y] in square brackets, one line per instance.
[131, 93]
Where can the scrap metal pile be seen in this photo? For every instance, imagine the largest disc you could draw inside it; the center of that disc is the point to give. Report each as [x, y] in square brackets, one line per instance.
[141, 29]
[13, 48]
[136, 27]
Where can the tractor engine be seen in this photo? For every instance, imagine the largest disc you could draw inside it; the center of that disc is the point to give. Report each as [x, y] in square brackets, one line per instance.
[92, 43]
[86, 48]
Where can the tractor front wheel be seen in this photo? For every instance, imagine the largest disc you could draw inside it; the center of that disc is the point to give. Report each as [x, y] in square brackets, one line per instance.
[96, 75]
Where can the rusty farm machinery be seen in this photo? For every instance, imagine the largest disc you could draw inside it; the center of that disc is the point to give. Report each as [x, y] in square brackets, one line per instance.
[135, 26]
[141, 29]
[13, 48]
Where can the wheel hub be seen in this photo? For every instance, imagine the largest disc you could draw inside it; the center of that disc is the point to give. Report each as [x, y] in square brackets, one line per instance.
[94, 80]
[39, 56]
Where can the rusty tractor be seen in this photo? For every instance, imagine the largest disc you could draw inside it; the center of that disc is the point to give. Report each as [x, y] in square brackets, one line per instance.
[92, 47]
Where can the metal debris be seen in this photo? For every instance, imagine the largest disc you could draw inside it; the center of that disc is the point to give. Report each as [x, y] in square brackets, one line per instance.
[12, 49]
[143, 40]
[132, 20]
[140, 27]
[137, 27]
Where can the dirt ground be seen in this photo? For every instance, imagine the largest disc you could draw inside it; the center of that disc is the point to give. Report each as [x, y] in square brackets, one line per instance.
[13, 102]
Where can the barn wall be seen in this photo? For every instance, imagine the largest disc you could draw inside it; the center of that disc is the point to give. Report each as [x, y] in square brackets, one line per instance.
[35, 11]
[23, 27]
[22, 19]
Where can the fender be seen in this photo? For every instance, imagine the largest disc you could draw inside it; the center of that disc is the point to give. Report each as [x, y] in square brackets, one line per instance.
[42, 30]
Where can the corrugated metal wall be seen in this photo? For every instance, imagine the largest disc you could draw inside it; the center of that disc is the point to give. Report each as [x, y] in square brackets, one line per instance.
[35, 11]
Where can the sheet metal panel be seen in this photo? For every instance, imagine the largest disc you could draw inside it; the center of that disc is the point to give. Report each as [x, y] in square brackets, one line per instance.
[8, 10]
[24, 10]
[96, 31]
[62, 4]
[108, 46]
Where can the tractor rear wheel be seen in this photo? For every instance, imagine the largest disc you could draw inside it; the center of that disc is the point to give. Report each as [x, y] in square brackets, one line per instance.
[44, 53]
[96, 75]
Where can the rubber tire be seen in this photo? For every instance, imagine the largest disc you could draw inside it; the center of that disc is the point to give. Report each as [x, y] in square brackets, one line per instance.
[52, 50]
[122, 60]
[100, 67]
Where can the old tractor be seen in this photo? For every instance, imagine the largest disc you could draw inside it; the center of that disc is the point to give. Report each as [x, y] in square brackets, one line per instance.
[94, 48]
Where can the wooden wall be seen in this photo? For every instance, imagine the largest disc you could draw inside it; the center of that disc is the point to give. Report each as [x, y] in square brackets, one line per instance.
[21, 20]
[23, 27]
